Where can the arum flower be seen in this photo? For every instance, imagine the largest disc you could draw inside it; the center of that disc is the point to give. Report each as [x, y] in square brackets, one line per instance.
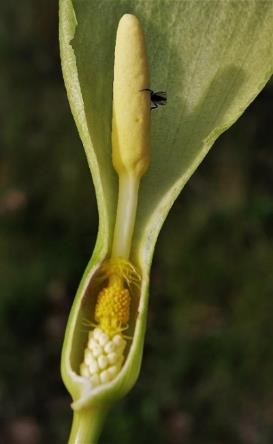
[213, 58]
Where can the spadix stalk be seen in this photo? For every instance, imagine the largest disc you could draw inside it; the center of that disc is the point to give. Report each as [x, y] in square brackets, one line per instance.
[130, 126]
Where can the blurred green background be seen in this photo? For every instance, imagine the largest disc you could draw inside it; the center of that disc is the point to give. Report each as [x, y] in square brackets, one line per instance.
[207, 374]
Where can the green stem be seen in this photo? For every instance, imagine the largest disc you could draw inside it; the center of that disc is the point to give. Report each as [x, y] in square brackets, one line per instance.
[87, 425]
[126, 215]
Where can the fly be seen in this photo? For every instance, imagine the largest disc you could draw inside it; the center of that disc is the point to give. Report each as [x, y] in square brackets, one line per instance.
[157, 98]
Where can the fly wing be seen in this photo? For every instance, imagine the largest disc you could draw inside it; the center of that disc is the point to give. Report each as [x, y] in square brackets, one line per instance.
[160, 97]
[162, 94]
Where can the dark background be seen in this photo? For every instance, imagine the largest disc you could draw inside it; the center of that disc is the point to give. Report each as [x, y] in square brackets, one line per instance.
[207, 372]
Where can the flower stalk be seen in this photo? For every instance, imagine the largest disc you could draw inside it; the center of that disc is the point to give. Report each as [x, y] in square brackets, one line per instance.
[87, 425]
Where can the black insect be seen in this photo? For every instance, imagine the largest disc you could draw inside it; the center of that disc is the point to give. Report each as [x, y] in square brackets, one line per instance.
[157, 98]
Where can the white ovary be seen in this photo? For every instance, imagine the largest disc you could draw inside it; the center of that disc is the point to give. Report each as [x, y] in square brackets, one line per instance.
[109, 347]
[95, 380]
[84, 371]
[92, 343]
[118, 341]
[113, 370]
[97, 351]
[105, 377]
[103, 362]
[93, 367]
[96, 333]
[88, 356]
[103, 357]
[103, 339]
[113, 357]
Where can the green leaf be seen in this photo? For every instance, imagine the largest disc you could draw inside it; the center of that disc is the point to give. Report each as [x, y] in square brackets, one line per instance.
[213, 58]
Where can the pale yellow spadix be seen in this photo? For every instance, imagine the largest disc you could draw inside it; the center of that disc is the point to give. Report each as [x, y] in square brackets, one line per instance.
[131, 105]
[130, 126]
